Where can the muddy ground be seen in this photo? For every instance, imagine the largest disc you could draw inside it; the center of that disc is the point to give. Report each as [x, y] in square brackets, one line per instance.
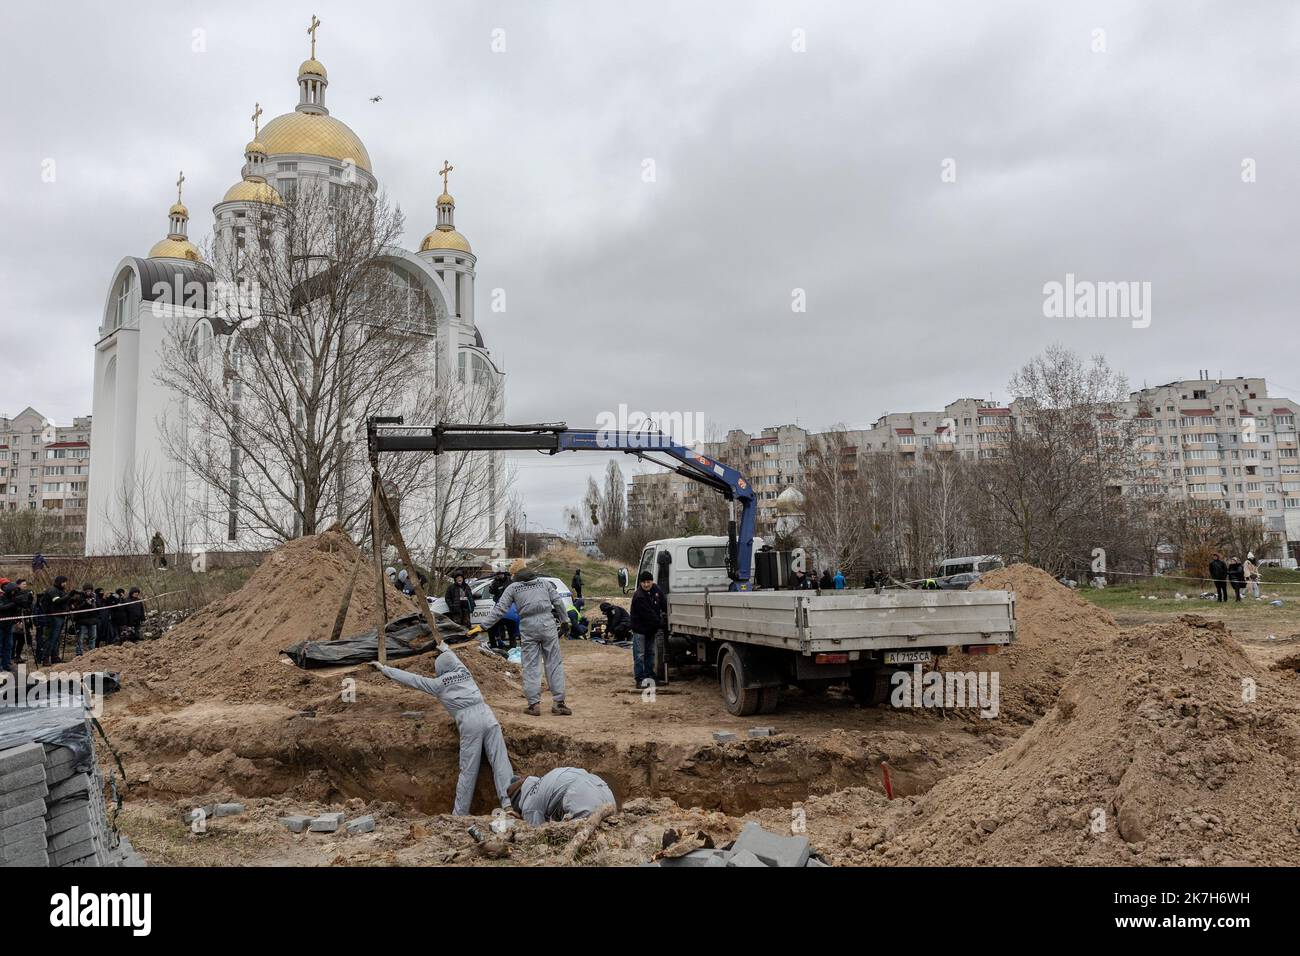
[212, 713]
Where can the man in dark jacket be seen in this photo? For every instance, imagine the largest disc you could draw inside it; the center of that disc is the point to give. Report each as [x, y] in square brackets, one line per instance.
[460, 601]
[53, 602]
[15, 601]
[1236, 576]
[801, 582]
[1219, 575]
[576, 584]
[135, 613]
[827, 583]
[618, 623]
[648, 611]
[507, 625]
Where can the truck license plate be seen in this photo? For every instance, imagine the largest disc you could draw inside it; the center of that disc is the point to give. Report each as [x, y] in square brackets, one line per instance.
[908, 657]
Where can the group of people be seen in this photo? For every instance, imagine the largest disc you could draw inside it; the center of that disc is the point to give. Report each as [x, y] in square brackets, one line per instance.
[42, 620]
[562, 794]
[1241, 575]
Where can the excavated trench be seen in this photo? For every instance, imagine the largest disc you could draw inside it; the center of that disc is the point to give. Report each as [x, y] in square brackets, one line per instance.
[267, 752]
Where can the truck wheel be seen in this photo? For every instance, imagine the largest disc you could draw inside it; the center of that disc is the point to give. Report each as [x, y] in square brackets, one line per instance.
[768, 698]
[735, 697]
[869, 688]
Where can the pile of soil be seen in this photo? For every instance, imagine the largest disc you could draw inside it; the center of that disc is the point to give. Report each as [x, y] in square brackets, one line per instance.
[1167, 746]
[1054, 625]
[230, 650]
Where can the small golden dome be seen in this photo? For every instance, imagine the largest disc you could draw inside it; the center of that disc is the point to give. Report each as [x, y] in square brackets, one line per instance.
[170, 248]
[314, 134]
[445, 239]
[178, 209]
[255, 147]
[446, 198]
[312, 68]
[250, 190]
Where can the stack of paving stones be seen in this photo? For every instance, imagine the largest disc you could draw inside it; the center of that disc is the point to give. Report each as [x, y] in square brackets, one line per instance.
[51, 793]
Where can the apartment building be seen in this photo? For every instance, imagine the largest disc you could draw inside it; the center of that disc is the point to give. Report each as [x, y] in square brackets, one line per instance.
[1223, 441]
[46, 466]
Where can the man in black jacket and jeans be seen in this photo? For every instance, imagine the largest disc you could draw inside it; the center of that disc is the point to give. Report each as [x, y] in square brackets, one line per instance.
[54, 601]
[648, 614]
[1219, 574]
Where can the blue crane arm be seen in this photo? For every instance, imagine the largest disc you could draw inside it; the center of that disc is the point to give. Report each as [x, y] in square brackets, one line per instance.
[555, 438]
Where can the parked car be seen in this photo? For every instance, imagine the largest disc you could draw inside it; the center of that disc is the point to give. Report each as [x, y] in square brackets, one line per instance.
[958, 582]
[483, 600]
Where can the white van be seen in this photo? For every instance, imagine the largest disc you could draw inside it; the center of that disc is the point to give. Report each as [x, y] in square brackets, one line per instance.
[698, 563]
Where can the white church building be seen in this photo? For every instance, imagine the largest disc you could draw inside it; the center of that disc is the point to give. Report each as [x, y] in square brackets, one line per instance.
[136, 487]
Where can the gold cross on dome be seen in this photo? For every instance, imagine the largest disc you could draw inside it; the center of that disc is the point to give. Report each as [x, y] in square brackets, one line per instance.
[315, 24]
[446, 168]
[257, 115]
[180, 180]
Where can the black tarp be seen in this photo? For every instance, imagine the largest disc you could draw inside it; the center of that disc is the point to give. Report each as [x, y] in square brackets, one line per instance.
[58, 720]
[404, 637]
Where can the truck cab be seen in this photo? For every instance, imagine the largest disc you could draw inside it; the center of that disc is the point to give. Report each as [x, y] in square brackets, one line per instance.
[689, 565]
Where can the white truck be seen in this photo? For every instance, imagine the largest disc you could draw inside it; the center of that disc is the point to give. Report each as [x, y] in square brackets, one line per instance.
[761, 641]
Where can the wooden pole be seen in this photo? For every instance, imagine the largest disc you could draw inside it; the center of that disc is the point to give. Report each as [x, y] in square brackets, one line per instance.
[420, 595]
[377, 543]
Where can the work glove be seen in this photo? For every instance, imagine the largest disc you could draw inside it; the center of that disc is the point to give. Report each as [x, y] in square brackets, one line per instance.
[473, 631]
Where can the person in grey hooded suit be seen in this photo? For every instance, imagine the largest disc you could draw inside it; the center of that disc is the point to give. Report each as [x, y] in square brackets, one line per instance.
[566, 793]
[477, 725]
[542, 615]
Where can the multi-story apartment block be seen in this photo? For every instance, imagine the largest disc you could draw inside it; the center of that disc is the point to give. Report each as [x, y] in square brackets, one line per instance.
[1222, 441]
[46, 466]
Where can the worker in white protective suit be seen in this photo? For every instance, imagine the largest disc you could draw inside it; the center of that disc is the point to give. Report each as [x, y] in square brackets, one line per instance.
[475, 722]
[566, 793]
[542, 617]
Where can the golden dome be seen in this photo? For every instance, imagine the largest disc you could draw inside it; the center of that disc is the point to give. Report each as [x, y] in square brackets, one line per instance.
[255, 147]
[445, 239]
[170, 248]
[314, 134]
[250, 190]
[313, 68]
[446, 198]
[178, 209]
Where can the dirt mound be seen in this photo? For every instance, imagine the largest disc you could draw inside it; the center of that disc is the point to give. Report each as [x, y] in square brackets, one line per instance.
[230, 650]
[1167, 745]
[1054, 625]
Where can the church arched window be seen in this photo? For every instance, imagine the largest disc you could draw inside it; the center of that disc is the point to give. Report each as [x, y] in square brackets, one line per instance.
[122, 300]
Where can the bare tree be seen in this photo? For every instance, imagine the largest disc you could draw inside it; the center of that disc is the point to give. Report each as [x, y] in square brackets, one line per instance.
[316, 331]
[836, 518]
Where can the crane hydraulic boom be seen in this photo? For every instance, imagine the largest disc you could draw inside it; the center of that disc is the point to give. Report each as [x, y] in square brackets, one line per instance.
[390, 435]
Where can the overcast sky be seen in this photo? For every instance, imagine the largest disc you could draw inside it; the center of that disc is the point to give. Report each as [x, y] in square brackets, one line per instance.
[775, 170]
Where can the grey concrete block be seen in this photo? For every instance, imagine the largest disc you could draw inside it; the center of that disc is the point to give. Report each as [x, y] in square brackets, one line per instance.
[39, 858]
[77, 834]
[69, 821]
[743, 858]
[772, 849]
[762, 731]
[296, 823]
[76, 851]
[64, 807]
[228, 809]
[361, 824]
[696, 858]
[76, 784]
[22, 813]
[23, 831]
[413, 714]
[19, 851]
[723, 736]
[813, 861]
[22, 778]
[19, 758]
[93, 860]
[326, 823]
[14, 798]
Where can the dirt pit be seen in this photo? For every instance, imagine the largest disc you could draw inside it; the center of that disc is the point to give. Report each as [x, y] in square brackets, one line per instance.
[1140, 729]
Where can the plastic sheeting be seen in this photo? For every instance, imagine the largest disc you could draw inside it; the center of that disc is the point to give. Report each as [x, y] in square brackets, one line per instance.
[57, 721]
[404, 637]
